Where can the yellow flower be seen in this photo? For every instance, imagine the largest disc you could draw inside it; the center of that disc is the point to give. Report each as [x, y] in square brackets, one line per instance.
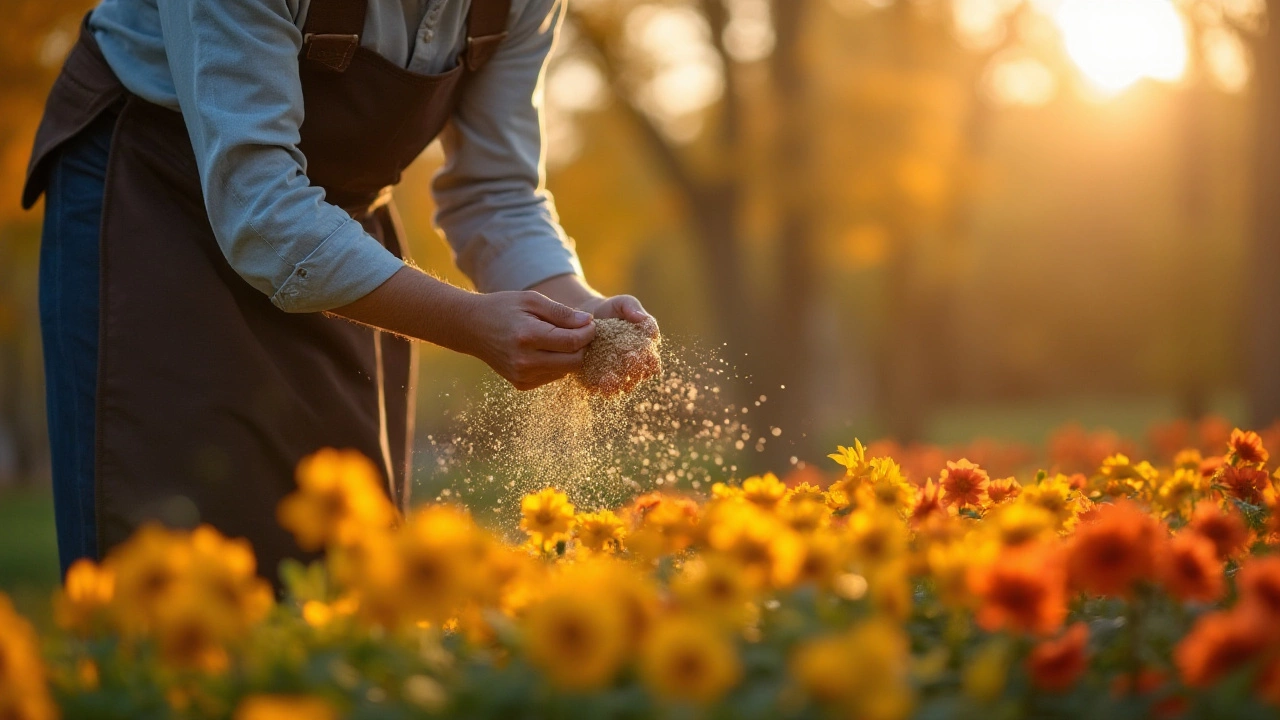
[223, 571]
[1020, 524]
[81, 604]
[853, 459]
[24, 693]
[546, 516]
[1055, 495]
[577, 638]
[285, 707]
[948, 565]
[715, 588]
[685, 659]
[761, 544]
[1120, 477]
[863, 671]
[149, 569]
[986, 672]
[766, 491]
[191, 633]
[441, 554]
[824, 559]
[340, 496]
[886, 486]
[599, 531]
[1176, 493]
[804, 513]
[876, 536]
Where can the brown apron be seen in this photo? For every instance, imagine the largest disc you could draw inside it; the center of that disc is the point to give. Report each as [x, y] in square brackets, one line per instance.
[209, 395]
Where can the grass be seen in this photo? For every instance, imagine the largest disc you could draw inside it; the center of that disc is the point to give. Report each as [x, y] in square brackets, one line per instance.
[28, 549]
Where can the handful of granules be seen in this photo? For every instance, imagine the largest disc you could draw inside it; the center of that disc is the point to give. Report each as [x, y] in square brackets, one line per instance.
[623, 355]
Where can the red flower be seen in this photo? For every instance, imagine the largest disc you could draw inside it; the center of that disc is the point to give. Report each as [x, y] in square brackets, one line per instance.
[1259, 585]
[964, 483]
[1246, 447]
[1056, 665]
[1224, 527]
[1190, 570]
[1114, 550]
[1218, 644]
[1024, 589]
[1244, 482]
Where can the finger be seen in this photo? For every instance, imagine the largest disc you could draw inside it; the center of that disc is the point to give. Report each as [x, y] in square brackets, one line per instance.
[556, 313]
[631, 310]
[566, 340]
[558, 362]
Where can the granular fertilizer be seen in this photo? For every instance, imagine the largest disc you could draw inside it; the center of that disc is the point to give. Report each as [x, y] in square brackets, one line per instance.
[623, 355]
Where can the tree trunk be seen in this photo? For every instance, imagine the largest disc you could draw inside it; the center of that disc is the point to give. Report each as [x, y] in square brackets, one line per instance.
[1263, 310]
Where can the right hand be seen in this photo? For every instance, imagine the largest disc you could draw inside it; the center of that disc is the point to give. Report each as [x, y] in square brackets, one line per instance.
[526, 337]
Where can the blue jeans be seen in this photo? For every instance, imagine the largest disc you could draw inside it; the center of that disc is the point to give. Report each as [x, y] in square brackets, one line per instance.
[69, 282]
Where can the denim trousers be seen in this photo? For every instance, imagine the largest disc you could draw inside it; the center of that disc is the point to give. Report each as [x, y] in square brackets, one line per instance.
[69, 302]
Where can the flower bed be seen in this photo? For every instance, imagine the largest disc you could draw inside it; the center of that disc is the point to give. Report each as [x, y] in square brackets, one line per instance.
[1136, 591]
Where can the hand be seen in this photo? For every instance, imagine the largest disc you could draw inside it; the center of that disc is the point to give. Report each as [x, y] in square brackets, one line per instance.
[622, 307]
[526, 337]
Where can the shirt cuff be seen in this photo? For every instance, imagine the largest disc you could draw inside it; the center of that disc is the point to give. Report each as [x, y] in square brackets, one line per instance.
[345, 267]
[527, 262]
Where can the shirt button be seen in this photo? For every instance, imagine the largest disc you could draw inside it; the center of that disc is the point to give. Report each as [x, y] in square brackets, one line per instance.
[302, 272]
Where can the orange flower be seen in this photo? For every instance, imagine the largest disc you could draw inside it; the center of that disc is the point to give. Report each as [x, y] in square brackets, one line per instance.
[1148, 683]
[1246, 447]
[1000, 490]
[964, 484]
[1114, 551]
[1055, 665]
[1244, 482]
[928, 502]
[1267, 684]
[1190, 570]
[1023, 589]
[1259, 585]
[1218, 644]
[1224, 527]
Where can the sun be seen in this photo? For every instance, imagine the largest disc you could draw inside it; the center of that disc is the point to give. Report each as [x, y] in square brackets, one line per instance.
[1116, 43]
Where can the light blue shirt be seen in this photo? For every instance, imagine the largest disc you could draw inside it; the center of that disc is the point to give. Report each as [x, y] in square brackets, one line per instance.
[230, 67]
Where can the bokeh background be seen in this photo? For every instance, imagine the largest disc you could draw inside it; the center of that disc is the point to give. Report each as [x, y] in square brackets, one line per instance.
[931, 220]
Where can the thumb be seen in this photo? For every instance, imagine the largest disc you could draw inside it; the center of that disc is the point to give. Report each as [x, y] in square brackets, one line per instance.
[556, 313]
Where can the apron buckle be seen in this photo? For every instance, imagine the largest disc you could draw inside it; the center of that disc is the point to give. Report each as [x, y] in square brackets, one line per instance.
[332, 51]
[481, 49]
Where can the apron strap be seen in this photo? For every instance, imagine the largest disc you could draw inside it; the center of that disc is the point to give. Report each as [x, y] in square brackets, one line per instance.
[486, 28]
[332, 32]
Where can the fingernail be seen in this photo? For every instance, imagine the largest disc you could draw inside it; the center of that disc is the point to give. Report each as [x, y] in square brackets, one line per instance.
[581, 317]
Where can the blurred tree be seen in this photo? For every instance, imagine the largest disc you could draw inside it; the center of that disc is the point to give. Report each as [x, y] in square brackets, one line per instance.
[1262, 315]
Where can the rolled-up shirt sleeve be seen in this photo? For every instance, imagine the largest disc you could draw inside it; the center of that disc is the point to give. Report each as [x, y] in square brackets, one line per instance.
[235, 73]
[492, 202]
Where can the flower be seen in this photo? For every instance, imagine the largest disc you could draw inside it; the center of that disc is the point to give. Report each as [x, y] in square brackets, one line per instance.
[82, 603]
[441, 554]
[340, 495]
[1190, 570]
[766, 491]
[804, 513]
[1246, 447]
[853, 459]
[928, 503]
[1244, 482]
[578, 639]
[1176, 492]
[875, 536]
[863, 671]
[768, 550]
[599, 531]
[999, 491]
[964, 484]
[1057, 495]
[1056, 665]
[685, 659]
[1223, 526]
[1113, 551]
[24, 693]
[1019, 524]
[285, 707]
[546, 516]
[1120, 477]
[1218, 644]
[148, 569]
[714, 587]
[1259, 584]
[824, 559]
[1023, 589]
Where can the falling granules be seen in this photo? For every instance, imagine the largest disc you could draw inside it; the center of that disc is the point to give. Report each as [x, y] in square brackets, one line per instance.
[623, 355]
[675, 429]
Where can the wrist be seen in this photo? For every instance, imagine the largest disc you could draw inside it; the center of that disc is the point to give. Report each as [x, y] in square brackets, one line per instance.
[571, 290]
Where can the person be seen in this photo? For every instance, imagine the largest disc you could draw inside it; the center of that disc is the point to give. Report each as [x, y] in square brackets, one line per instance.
[223, 285]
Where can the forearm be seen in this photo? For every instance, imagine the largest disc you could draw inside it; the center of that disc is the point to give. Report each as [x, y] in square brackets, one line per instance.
[570, 289]
[416, 305]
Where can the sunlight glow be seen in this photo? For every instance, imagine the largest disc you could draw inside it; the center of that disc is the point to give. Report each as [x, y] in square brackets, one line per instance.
[1116, 43]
